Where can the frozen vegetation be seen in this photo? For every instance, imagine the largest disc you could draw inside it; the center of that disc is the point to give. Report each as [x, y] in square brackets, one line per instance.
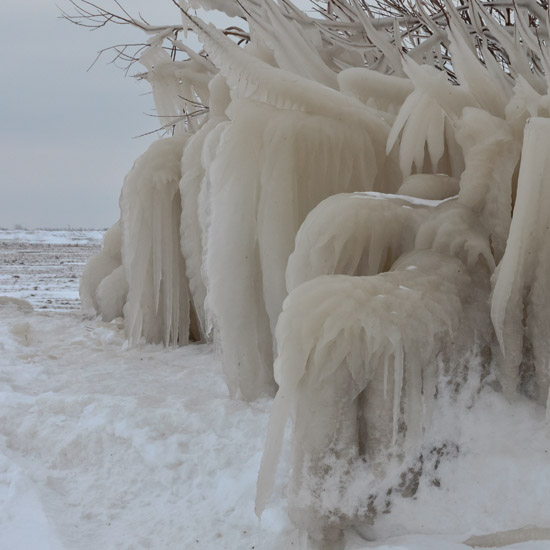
[351, 205]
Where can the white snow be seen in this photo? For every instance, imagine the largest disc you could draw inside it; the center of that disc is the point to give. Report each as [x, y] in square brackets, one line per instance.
[105, 447]
[68, 236]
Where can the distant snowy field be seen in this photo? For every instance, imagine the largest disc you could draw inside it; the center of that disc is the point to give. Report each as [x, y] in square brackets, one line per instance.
[107, 448]
[44, 267]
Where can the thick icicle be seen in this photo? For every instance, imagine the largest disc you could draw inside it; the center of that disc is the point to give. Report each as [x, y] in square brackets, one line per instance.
[421, 119]
[232, 265]
[157, 306]
[520, 285]
[192, 181]
[191, 233]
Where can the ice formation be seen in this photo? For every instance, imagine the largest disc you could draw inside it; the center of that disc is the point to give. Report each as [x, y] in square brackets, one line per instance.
[157, 306]
[358, 360]
[99, 267]
[380, 172]
[519, 307]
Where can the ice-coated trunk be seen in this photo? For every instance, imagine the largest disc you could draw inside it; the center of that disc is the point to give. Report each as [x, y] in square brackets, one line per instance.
[198, 155]
[235, 302]
[271, 168]
[193, 224]
[521, 299]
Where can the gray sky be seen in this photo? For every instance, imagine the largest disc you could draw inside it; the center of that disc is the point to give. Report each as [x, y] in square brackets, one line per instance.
[66, 134]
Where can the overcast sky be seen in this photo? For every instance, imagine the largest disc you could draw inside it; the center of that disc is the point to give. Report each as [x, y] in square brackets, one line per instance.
[66, 135]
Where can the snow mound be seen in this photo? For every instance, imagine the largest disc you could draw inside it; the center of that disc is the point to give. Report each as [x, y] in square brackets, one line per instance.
[15, 303]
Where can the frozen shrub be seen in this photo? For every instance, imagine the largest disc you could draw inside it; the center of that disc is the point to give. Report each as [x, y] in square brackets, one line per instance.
[381, 173]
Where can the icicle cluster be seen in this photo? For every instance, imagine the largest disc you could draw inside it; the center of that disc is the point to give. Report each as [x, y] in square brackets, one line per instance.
[358, 199]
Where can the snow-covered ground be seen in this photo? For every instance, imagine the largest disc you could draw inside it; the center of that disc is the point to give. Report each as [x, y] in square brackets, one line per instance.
[107, 448]
[44, 267]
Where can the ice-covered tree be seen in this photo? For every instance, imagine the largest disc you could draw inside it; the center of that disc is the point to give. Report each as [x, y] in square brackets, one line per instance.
[352, 204]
